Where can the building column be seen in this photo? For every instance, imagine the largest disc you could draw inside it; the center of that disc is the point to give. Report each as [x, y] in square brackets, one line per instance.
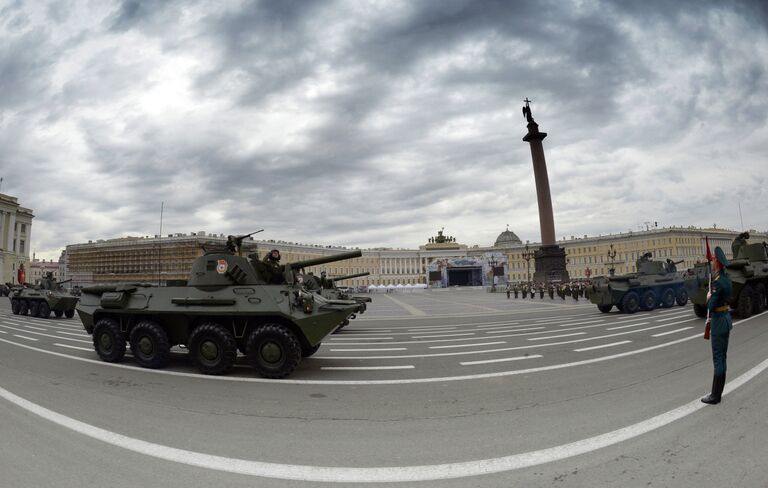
[11, 233]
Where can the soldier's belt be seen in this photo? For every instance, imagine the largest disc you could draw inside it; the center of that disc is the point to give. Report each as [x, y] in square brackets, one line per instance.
[724, 308]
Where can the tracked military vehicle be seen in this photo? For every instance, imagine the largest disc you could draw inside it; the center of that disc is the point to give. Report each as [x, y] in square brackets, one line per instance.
[748, 271]
[655, 284]
[230, 302]
[40, 300]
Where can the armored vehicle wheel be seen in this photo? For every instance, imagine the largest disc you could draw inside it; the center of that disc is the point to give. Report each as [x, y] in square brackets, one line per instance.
[759, 298]
[34, 306]
[630, 303]
[306, 352]
[648, 300]
[23, 307]
[682, 297]
[69, 313]
[212, 348]
[605, 308]
[700, 310]
[744, 304]
[58, 313]
[15, 306]
[274, 351]
[43, 310]
[668, 298]
[149, 345]
[108, 341]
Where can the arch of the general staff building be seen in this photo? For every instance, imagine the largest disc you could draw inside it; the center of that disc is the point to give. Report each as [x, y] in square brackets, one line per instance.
[441, 262]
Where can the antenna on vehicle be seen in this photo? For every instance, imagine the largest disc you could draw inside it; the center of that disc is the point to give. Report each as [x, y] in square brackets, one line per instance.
[160, 243]
[740, 217]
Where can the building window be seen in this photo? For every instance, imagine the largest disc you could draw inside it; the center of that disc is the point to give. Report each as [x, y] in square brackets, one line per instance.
[21, 243]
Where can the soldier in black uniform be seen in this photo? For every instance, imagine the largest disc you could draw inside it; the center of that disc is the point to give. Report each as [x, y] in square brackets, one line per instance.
[551, 292]
[541, 292]
[516, 291]
[720, 323]
[525, 291]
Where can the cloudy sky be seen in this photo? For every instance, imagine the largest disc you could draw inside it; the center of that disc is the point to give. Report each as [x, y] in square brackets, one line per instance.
[375, 123]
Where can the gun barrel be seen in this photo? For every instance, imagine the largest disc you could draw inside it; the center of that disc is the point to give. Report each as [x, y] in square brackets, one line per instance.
[678, 262]
[325, 259]
[347, 277]
[65, 281]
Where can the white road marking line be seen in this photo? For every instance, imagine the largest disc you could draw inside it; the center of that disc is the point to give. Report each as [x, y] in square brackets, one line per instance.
[3, 332]
[555, 336]
[498, 374]
[371, 350]
[41, 334]
[441, 329]
[627, 326]
[673, 317]
[364, 368]
[502, 360]
[77, 334]
[444, 335]
[514, 330]
[358, 338]
[671, 332]
[602, 346]
[25, 337]
[468, 345]
[35, 328]
[74, 347]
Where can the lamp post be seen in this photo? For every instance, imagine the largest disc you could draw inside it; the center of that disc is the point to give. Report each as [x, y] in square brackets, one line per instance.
[527, 255]
[612, 257]
[492, 263]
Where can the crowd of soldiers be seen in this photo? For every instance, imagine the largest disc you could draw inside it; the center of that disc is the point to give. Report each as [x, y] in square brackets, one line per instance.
[574, 290]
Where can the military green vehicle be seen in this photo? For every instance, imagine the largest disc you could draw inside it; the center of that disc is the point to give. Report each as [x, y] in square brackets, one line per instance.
[748, 271]
[655, 284]
[229, 302]
[332, 292]
[40, 300]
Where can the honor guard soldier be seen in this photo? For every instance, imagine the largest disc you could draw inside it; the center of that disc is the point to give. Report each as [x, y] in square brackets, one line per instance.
[509, 290]
[516, 291]
[719, 323]
[533, 291]
[541, 292]
[525, 292]
[551, 292]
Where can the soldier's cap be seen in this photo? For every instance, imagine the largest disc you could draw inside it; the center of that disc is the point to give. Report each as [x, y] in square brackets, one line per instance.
[720, 255]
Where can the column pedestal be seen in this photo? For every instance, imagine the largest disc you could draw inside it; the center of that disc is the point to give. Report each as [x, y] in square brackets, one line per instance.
[550, 265]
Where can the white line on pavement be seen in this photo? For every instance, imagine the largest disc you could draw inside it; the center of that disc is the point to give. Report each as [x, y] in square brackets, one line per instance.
[371, 350]
[602, 346]
[502, 360]
[25, 337]
[671, 332]
[628, 326]
[74, 347]
[364, 368]
[444, 335]
[468, 345]
[555, 336]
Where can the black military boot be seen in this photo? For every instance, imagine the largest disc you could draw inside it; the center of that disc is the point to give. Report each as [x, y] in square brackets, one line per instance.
[718, 383]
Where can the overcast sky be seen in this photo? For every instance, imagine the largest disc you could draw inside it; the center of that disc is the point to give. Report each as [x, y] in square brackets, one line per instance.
[375, 123]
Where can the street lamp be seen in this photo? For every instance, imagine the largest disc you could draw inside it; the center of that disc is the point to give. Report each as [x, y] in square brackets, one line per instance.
[612, 257]
[492, 263]
[527, 255]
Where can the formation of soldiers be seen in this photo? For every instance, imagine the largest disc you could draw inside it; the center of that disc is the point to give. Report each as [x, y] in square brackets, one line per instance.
[574, 290]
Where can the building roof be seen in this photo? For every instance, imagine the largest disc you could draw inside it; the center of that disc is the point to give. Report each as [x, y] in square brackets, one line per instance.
[507, 239]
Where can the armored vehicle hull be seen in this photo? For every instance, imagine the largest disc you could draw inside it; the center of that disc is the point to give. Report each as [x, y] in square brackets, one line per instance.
[654, 285]
[226, 306]
[41, 302]
[749, 276]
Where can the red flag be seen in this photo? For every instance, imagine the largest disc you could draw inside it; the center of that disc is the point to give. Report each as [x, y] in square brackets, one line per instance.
[709, 253]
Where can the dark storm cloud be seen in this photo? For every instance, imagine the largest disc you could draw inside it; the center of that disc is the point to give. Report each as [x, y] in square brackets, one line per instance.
[370, 123]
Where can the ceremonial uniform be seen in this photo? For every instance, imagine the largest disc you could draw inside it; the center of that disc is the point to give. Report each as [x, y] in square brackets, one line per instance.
[720, 326]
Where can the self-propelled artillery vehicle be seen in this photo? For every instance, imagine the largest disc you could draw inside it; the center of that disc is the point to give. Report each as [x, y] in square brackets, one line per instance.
[655, 284]
[40, 300]
[229, 303]
[748, 271]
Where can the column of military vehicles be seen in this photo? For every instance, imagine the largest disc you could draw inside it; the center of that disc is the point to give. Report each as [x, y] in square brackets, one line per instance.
[229, 303]
[42, 299]
[658, 284]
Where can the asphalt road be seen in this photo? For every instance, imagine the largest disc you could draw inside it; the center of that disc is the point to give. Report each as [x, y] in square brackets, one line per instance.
[447, 388]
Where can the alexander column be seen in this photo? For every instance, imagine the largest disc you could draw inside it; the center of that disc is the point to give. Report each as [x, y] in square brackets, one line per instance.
[550, 258]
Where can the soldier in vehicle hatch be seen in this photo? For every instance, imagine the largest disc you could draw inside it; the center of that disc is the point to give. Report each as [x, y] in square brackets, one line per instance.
[274, 271]
[739, 243]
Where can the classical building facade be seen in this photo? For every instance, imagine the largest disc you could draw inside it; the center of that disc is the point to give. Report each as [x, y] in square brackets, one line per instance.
[441, 262]
[15, 237]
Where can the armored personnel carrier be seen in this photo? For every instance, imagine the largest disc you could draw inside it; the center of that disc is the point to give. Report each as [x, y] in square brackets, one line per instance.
[40, 300]
[230, 302]
[655, 284]
[330, 291]
[748, 271]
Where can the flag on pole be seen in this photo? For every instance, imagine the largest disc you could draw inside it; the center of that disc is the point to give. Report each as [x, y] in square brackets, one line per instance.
[709, 253]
